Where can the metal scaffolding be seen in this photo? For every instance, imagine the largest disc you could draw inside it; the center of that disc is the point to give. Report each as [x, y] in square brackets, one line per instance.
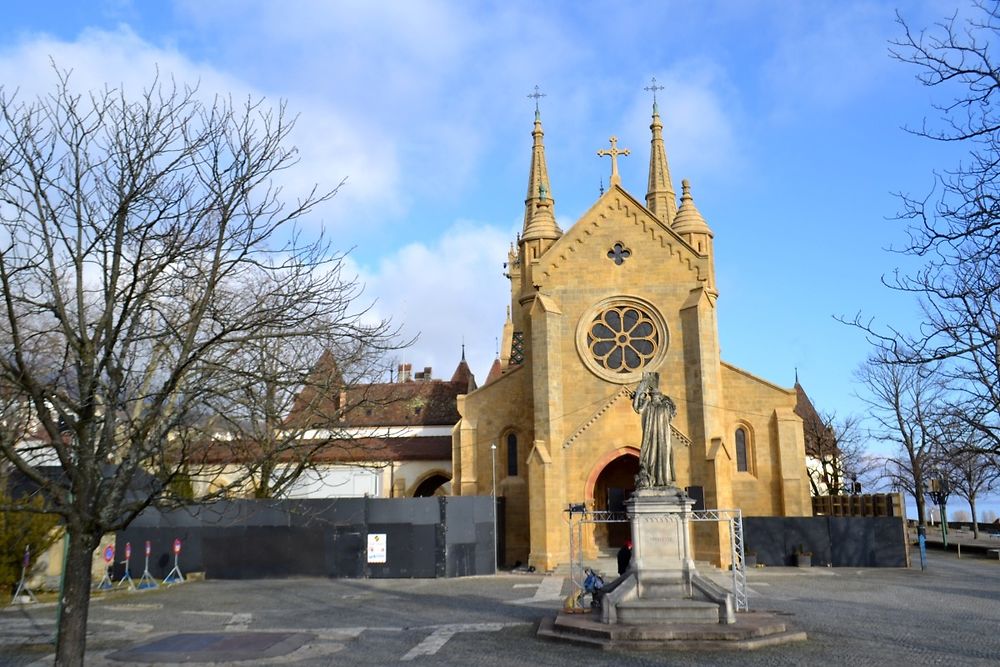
[578, 517]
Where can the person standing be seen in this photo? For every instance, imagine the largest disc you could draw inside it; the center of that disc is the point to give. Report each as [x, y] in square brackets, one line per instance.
[624, 557]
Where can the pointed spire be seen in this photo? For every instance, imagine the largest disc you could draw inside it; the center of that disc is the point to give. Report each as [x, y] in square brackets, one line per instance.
[660, 196]
[463, 377]
[539, 218]
[688, 219]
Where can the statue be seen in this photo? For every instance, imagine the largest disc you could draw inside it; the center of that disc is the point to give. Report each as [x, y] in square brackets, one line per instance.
[656, 458]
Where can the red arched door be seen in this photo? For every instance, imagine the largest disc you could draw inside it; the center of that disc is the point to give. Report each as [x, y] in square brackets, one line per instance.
[613, 486]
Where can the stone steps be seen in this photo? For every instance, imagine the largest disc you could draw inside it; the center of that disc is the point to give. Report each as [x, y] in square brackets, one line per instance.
[751, 631]
[648, 611]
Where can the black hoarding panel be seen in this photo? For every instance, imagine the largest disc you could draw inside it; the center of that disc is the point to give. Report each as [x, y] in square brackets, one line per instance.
[807, 534]
[765, 536]
[399, 551]
[460, 519]
[258, 552]
[418, 511]
[461, 559]
[349, 552]
[853, 541]
[484, 548]
[890, 541]
[424, 555]
[697, 494]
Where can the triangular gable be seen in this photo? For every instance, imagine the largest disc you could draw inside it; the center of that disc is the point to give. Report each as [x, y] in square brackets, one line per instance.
[610, 208]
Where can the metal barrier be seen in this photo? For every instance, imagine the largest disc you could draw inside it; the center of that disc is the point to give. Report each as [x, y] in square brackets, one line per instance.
[578, 517]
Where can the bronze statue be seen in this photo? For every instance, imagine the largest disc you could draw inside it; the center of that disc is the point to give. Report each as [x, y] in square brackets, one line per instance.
[656, 458]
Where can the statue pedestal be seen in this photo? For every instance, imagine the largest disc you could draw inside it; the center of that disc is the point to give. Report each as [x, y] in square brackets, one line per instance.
[662, 584]
[661, 537]
[662, 602]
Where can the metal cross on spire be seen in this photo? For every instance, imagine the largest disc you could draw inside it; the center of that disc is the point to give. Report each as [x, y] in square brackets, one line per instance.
[613, 152]
[653, 87]
[537, 95]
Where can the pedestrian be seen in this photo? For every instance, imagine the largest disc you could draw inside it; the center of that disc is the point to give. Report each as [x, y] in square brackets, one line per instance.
[624, 557]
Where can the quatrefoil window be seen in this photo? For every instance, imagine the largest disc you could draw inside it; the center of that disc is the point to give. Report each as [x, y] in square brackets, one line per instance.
[619, 254]
[623, 339]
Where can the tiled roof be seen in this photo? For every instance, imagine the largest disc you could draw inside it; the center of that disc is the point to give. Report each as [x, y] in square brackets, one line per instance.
[422, 402]
[354, 450]
[804, 407]
[496, 370]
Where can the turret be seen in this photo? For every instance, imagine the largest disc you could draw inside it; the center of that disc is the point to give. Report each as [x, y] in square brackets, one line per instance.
[691, 226]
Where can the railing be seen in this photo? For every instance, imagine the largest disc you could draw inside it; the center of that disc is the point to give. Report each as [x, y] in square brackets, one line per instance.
[579, 518]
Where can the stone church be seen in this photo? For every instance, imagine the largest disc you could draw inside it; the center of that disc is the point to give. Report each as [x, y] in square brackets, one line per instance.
[630, 287]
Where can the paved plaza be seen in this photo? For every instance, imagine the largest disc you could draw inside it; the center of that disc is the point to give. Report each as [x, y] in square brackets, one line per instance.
[947, 615]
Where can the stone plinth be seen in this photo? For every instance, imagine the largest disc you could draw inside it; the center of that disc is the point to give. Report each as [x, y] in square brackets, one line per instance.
[662, 601]
[662, 584]
[661, 538]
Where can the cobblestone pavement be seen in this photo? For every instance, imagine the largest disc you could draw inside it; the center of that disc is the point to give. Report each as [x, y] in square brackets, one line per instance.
[947, 615]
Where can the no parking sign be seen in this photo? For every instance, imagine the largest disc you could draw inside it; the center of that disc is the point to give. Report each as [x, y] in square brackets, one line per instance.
[109, 553]
[128, 550]
[177, 545]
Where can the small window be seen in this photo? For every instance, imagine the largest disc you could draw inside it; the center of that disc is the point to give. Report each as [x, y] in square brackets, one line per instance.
[511, 455]
[741, 450]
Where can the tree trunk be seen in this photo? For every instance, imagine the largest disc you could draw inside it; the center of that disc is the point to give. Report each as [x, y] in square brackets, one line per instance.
[74, 602]
[975, 522]
[921, 507]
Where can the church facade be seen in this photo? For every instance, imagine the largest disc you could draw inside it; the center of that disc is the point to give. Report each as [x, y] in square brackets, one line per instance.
[630, 287]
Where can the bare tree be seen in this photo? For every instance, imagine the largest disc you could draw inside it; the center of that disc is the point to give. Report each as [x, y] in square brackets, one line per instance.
[146, 256]
[836, 448]
[955, 230]
[971, 473]
[906, 403]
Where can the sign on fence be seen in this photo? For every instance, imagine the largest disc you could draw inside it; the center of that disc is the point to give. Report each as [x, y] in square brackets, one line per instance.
[376, 547]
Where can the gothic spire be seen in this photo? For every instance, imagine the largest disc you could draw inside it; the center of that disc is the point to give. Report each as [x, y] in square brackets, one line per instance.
[660, 196]
[539, 216]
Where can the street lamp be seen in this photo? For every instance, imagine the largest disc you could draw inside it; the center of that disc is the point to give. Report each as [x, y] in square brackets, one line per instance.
[493, 469]
[939, 491]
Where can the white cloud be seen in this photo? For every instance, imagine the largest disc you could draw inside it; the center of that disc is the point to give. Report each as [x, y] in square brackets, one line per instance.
[445, 290]
[332, 143]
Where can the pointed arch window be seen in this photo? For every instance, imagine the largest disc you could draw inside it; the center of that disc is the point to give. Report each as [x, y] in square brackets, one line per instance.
[511, 455]
[742, 449]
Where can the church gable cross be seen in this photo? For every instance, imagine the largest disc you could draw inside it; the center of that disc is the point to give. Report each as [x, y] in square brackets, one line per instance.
[613, 152]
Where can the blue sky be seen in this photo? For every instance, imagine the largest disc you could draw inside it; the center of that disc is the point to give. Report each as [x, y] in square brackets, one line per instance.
[786, 116]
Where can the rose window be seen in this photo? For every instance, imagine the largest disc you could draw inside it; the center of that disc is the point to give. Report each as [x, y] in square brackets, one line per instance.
[623, 339]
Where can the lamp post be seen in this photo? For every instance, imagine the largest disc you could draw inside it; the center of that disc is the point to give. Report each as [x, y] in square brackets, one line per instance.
[493, 470]
[939, 493]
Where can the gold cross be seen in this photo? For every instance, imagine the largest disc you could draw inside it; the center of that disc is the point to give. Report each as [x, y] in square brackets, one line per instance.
[614, 153]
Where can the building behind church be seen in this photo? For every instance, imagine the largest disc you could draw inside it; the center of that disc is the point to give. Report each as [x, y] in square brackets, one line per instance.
[630, 287]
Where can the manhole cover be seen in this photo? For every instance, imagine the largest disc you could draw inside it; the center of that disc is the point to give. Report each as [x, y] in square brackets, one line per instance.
[214, 647]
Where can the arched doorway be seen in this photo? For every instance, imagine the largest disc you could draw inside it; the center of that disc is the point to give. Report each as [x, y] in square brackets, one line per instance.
[613, 486]
[431, 486]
